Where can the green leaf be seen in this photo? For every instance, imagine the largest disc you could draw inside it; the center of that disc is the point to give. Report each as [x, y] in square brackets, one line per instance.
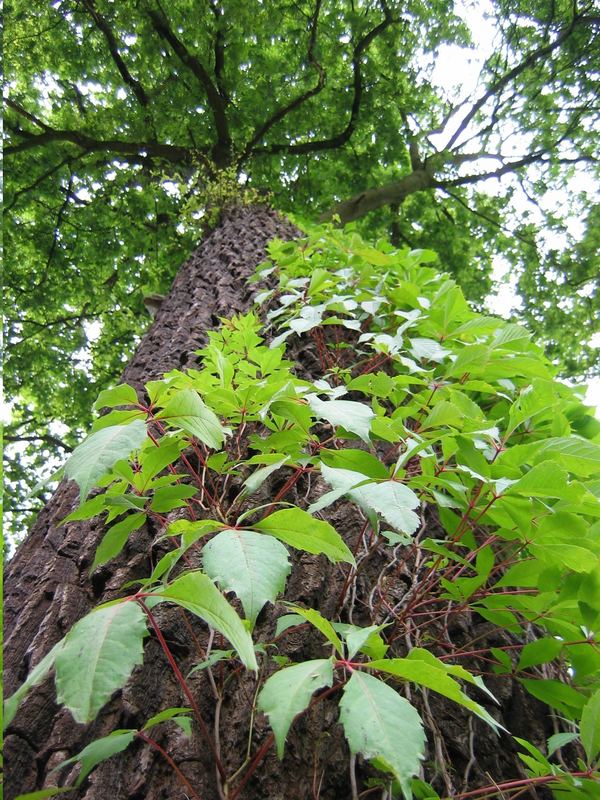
[166, 498]
[198, 594]
[214, 658]
[302, 531]
[99, 751]
[94, 457]
[360, 638]
[434, 678]
[42, 794]
[353, 416]
[252, 565]
[357, 461]
[288, 692]
[115, 537]
[98, 656]
[91, 508]
[121, 395]
[37, 675]
[559, 740]
[589, 727]
[379, 724]
[165, 716]
[154, 459]
[255, 481]
[321, 624]
[186, 410]
[576, 454]
[392, 499]
[288, 621]
[558, 695]
[539, 652]
[444, 413]
[544, 480]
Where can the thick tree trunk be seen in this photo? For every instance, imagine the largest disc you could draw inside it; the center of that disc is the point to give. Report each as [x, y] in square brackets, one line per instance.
[48, 588]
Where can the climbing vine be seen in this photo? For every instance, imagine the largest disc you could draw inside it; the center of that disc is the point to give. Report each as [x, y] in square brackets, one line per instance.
[475, 476]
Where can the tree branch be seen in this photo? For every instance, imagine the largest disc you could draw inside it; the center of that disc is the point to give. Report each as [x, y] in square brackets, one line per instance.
[165, 152]
[42, 437]
[219, 51]
[222, 149]
[491, 220]
[113, 47]
[26, 114]
[372, 199]
[422, 179]
[47, 174]
[341, 138]
[297, 102]
[499, 84]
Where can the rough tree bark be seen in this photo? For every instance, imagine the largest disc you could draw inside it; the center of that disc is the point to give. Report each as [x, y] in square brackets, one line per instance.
[48, 588]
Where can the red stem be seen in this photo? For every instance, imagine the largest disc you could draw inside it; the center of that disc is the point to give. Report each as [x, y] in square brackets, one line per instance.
[501, 787]
[172, 764]
[186, 689]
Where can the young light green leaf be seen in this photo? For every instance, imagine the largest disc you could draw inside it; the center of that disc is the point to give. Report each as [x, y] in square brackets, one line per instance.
[186, 410]
[115, 537]
[589, 727]
[288, 692]
[98, 751]
[198, 594]
[380, 724]
[94, 457]
[322, 624]
[302, 531]
[98, 656]
[354, 417]
[37, 675]
[252, 565]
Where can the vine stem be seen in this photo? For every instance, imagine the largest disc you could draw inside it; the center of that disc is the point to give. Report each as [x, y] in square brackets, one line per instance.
[266, 746]
[186, 689]
[171, 763]
[486, 791]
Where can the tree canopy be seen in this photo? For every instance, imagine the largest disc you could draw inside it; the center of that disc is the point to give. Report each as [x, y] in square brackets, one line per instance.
[129, 125]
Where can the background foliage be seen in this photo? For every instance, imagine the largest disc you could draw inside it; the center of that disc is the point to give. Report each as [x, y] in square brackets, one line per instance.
[125, 121]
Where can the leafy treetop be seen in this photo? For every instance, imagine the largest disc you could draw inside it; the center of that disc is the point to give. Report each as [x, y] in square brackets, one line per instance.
[126, 121]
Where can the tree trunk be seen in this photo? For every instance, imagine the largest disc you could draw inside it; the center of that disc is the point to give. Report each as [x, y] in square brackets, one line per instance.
[48, 588]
